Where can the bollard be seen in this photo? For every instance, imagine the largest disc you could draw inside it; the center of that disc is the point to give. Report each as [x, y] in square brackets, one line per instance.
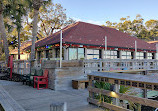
[58, 106]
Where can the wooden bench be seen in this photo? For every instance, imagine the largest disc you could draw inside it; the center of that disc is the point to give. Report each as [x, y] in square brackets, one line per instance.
[80, 83]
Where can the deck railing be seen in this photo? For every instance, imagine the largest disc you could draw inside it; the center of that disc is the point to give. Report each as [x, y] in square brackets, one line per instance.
[21, 67]
[118, 64]
[92, 65]
[97, 95]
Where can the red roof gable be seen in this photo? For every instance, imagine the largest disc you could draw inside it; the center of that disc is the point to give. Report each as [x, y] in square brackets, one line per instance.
[90, 34]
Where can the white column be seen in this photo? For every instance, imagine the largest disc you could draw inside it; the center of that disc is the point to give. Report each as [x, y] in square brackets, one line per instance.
[135, 52]
[154, 54]
[146, 55]
[65, 53]
[105, 46]
[54, 53]
[102, 54]
[61, 48]
[134, 55]
[156, 51]
[120, 54]
[85, 53]
[44, 54]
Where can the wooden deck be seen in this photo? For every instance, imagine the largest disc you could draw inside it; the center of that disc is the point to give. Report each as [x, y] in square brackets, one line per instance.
[39, 100]
[140, 81]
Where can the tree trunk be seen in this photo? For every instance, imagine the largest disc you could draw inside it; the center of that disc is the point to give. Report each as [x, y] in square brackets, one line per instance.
[18, 44]
[34, 33]
[4, 37]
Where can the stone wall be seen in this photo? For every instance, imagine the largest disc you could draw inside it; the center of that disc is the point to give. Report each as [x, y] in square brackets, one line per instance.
[61, 78]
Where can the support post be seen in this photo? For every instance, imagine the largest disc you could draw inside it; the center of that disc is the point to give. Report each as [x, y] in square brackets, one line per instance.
[105, 47]
[120, 54]
[58, 106]
[85, 53]
[116, 89]
[135, 52]
[54, 53]
[145, 90]
[65, 54]
[61, 48]
[145, 55]
[156, 51]
[102, 54]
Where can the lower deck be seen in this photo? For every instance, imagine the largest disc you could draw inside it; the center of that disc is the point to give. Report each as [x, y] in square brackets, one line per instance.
[39, 100]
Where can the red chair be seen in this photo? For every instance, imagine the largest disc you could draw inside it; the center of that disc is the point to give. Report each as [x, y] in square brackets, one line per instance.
[41, 80]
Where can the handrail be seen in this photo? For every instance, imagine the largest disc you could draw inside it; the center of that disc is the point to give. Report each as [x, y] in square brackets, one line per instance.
[118, 64]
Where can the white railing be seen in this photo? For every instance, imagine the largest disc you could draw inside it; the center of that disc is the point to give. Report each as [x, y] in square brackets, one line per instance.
[118, 64]
[96, 65]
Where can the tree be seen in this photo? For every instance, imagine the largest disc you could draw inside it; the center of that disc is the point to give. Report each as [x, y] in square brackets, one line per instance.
[16, 10]
[51, 17]
[36, 5]
[69, 21]
[152, 27]
[3, 32]
[134, 27]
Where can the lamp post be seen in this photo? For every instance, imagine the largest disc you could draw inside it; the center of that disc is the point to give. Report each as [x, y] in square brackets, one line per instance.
[135, 49]
[61, 48]
[157, 51]
[105, 47]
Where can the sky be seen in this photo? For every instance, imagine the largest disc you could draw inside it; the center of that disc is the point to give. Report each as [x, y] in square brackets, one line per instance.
[100, 11]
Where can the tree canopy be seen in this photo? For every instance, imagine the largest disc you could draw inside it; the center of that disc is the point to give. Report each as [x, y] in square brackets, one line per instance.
[51, 17]
[146, 31]
[19, 16]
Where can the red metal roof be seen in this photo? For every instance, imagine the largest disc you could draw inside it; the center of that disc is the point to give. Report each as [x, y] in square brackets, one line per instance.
[90, 34]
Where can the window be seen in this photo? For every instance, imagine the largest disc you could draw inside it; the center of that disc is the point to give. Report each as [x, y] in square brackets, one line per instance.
[47, 53]
[92, 54]
[50, 53]
[76, 53]
[72, 53]
[139, 55]
[149, 55]
[57, 53]
[42, 54]
[156, 55]
[126, 55]
[80, 53]
[39, 55]
[111, 54]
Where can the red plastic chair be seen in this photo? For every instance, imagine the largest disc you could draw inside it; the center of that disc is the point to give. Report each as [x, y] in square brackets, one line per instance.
[41, 80]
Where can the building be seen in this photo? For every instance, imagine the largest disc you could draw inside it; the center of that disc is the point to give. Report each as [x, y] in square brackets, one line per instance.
[86, 41]
[23, 54]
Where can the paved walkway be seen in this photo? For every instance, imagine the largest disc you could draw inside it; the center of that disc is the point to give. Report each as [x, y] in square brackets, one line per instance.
[8, 103]
[39, 100]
